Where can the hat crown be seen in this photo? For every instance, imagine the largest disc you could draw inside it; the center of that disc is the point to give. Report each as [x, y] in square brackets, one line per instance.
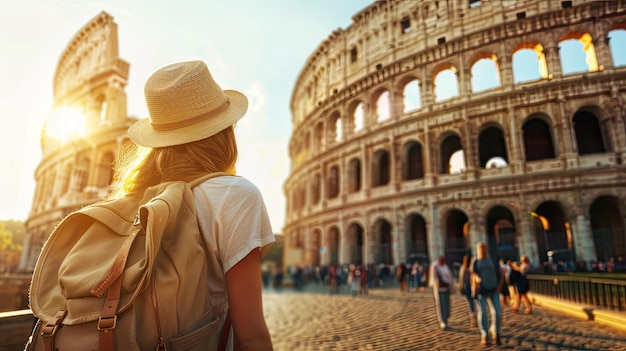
[180, 92]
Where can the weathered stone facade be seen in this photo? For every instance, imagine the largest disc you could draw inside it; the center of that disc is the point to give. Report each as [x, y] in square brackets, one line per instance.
[77, 169]
[373, 175]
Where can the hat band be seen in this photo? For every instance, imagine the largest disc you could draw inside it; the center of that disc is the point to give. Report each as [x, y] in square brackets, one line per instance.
[188, 122]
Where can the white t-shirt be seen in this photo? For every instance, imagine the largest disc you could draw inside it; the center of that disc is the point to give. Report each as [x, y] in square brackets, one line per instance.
[234, 221]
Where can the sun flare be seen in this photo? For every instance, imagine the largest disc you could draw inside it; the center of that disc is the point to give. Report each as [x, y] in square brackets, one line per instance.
[65, 123]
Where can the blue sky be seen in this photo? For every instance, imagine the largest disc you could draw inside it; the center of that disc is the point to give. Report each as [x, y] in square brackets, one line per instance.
[257, 47]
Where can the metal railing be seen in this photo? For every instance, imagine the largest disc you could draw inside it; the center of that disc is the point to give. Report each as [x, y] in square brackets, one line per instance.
[596, 292]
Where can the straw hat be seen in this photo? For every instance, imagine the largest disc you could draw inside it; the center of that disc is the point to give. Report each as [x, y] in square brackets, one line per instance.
[185, 104]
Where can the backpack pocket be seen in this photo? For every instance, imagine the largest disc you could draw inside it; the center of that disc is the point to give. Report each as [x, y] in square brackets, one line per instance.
[201, 336]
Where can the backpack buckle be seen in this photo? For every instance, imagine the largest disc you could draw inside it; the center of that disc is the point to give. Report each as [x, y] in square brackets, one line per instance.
[48, 330]
[107, 323]
[137, 221]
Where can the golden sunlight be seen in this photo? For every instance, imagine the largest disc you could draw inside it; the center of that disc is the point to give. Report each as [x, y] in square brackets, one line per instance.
[65, 123]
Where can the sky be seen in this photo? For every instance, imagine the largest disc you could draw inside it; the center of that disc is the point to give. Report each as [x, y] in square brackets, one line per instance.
[256, 47]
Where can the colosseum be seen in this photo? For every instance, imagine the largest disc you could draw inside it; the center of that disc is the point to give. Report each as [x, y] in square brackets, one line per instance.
[83, 134]
[427, 126]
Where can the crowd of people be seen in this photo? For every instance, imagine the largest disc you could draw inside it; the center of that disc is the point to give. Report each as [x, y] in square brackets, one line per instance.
[488, 286]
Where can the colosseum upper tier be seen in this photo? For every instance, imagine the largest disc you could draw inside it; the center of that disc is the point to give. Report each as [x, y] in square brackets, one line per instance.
[427, 126]
[83, 134]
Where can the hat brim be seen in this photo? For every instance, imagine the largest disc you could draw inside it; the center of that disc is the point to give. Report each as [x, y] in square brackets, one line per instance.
[142, 133]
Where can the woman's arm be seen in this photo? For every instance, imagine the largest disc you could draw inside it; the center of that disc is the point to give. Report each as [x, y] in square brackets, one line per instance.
[514, 266]
[243, 284]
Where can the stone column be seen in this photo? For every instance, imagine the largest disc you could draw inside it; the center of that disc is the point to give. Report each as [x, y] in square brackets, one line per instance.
[430, 170]
[399, 239]
[527, 238]
[582, 235]
[553, 61]
[435, 239]
[603, 50]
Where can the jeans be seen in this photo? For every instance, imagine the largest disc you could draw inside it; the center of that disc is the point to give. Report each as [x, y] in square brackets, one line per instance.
[491, 301]
[442, 305]
[470, 302]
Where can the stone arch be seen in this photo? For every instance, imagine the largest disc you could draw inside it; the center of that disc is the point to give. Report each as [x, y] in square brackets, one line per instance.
[527, 53]
[450, 144]
[583, 50]
[333, 181]
[416, 239]
[380, 242]
[411, 93]
[315, 247]
[456, 244]
[502, 237]
[356, 116]
[316, 188]
[356, 243]
[413, 160]
[492, 145]
[590, 137]
[485, 73]
[381, 168]
[607, 225]
[538, 140]
[318, 136]
[332, 244]
[445, 82]
[381, 105]
[552, 232]
[335, 132]
[354, 175]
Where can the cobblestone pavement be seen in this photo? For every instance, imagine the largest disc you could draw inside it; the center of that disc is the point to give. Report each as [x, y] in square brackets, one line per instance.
[388, 319]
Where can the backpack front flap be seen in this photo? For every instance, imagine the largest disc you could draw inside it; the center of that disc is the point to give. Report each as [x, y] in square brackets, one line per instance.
[80, 254]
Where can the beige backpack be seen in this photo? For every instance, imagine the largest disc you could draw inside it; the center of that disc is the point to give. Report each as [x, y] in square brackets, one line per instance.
[126, 274]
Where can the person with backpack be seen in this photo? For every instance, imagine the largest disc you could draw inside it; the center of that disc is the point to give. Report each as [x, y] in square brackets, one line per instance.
[442, 283]
[190, 133]
[487, 277]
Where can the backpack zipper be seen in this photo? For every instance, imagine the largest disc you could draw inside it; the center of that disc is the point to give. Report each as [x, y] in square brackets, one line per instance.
[161, 345]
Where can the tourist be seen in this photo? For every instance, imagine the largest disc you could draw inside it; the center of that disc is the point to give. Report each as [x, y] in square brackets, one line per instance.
[442, 283]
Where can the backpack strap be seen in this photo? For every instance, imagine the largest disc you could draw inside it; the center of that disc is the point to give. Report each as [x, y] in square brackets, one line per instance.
[49, 330]
[108, 317]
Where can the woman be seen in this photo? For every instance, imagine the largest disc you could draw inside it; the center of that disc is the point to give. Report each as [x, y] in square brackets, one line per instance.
[521, 285]
[465, 288]
[442, 283]
[190, 134]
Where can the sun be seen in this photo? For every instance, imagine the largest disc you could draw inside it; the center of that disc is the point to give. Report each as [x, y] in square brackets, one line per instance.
[65, 123]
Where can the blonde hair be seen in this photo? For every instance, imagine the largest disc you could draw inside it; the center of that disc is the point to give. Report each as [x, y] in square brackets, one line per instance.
[139, 167]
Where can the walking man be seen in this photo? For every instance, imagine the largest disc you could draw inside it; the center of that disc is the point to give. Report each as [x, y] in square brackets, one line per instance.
[488, 278]
[442, 284]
